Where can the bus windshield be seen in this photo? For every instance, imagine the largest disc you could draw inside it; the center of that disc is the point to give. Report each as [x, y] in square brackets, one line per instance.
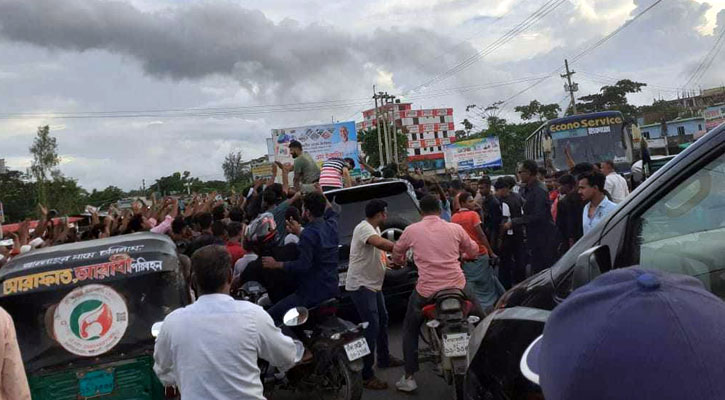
[589, 138]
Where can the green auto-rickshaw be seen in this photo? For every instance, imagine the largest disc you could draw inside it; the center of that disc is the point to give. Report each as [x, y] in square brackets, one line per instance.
[83, 313]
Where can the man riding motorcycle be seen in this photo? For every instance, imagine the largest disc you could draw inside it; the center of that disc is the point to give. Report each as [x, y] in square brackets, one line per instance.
[260, 240]
[437, 248]
[316, 268]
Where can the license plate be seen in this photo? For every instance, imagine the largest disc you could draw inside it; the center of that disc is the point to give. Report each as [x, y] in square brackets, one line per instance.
[95, 383]
[455, 344]
[343, 278]
[357, 349]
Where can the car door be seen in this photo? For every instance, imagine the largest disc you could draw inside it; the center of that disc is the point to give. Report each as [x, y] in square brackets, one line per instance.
[681, 228]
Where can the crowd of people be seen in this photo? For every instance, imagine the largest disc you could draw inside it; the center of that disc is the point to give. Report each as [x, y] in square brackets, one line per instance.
[477, 236]
[523, 225]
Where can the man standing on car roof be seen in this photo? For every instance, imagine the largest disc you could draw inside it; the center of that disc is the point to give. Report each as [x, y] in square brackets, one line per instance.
[307, 173]
[335, 173]
[364, 282]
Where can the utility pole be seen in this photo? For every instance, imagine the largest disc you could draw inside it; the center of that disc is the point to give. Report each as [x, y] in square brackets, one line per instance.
[378, 128]
[393, 129]
[386, 128]
[569, 86]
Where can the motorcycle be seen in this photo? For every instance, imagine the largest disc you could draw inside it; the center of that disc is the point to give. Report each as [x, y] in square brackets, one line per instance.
[253, 292]
[447, 330]
[338, 347]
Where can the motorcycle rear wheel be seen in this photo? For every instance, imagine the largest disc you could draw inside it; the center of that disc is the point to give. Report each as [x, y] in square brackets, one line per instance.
[458, 386]
[351, 382]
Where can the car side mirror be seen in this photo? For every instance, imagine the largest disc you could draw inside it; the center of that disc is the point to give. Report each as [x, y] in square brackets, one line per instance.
[590, 264]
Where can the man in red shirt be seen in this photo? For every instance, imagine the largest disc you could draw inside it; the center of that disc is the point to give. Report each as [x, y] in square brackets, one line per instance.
[479, 274]
[234, 243]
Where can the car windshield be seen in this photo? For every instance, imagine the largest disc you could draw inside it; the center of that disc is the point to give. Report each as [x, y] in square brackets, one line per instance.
[352, 206]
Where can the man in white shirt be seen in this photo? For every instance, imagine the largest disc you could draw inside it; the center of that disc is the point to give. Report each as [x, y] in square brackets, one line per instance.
[364, 281]
[615, 184]
[591, 188]
[210, 349]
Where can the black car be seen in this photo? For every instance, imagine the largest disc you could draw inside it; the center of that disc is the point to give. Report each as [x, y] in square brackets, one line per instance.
[402, 211]
[674, 221]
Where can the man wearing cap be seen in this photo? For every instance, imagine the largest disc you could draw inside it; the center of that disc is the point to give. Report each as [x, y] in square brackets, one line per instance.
[632, 334]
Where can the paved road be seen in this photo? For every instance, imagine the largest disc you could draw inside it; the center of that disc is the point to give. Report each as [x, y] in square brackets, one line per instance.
[430, 385]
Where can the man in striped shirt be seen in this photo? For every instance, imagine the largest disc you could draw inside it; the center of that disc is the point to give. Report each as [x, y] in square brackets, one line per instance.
[335, 173]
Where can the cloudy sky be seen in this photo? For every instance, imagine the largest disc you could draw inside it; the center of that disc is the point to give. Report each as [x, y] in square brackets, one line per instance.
[181, 83]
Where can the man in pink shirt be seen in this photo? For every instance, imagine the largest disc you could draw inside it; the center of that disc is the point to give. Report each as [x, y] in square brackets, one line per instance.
[437, 248]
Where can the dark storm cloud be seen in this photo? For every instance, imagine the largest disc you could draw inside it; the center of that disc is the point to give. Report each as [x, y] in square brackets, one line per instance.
[223, 38]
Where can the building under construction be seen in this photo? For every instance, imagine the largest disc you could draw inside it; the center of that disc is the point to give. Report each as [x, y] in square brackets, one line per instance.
[427, 131]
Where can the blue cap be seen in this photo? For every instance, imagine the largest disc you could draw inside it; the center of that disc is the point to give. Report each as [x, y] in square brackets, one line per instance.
[632, 334]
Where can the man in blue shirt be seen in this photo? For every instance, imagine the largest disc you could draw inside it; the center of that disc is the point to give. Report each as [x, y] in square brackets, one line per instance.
[591, 188]
[316, 268]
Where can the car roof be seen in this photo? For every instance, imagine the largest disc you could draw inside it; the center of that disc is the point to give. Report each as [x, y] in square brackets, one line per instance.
[366, 185]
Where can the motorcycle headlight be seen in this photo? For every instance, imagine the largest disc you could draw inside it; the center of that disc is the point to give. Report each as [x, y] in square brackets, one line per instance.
[450, 304]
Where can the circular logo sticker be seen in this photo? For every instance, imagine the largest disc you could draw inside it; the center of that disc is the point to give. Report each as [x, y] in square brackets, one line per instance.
[90, 320]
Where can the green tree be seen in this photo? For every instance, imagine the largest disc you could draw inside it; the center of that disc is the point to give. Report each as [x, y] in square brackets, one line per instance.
[102, 198]
[612, 97]
[18, 196]
[66, 196]
[45, 159]
[234, 170]
[369, 144]
[535, 109]
[173, 184]
[661, 109]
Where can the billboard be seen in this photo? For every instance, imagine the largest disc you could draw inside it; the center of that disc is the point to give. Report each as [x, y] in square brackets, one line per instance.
[322, 142]
[714, 116]
[473, 154]
[262, 171]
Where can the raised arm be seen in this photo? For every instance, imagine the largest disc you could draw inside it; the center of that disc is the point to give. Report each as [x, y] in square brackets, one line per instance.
[347, 179]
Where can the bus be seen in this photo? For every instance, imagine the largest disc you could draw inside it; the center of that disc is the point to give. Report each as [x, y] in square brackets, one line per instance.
[592, 138]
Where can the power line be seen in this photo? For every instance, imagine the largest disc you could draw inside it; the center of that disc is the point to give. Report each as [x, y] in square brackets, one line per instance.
[613, 79]
[585, 52]
[706, 61]
[532, 19]
[613, 33]
[251, 110]
[479, 32]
